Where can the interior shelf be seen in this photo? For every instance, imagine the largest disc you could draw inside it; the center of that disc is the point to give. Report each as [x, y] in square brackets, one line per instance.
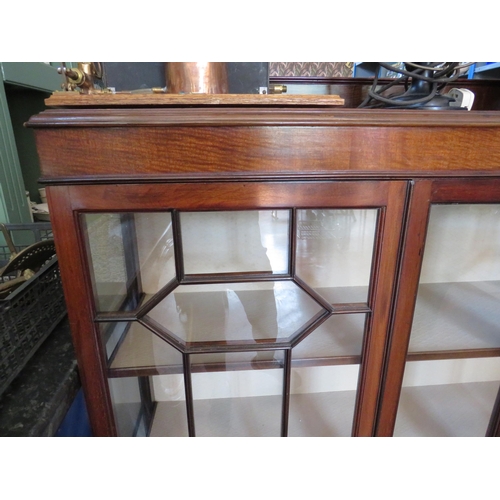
[456, 317]
[311, 415]
[141, 352]
[454, 410]
[452, 320]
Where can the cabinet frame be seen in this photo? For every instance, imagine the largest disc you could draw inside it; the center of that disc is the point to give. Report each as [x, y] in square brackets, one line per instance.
[71, 201]
[424, 194]
[95, 152]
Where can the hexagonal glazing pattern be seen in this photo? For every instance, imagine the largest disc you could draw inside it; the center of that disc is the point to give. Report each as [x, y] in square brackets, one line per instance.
[235, 314]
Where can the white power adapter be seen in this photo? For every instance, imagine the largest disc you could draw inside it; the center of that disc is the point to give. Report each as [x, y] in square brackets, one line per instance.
[464, 98]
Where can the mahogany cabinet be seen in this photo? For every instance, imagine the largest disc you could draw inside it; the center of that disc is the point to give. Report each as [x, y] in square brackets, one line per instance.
[267, 269]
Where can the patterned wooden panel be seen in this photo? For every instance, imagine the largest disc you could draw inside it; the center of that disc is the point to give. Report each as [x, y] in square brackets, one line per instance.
[326, 69]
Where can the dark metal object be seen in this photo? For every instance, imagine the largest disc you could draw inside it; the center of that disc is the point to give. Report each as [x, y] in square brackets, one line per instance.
[247, 77]
[15, 270]
[25, 264]
[27, 316]
[423, 82]
[31, 258]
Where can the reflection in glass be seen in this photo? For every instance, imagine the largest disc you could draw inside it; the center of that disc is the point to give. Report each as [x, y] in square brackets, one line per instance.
[107, 259]
[456, 315]
[458, 303]
[235, 242]
[129, 255]
[446, 398]
[335, 252]
[340, 335]
[155, 248]
[238, 402]
[131, 345]
[235, 312]
[135, 399]
[170, 414]
[322, 401]
[457, 309]
[112, 334]
[325, 369]
[127, 405]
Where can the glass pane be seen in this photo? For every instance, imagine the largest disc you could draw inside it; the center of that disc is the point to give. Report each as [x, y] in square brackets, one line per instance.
[458, 304]
[335, 252]
[170, 414]
[238, 400]
[325, 368]
[131, 257]
[235, 312]
[127, 404]
[446, 398]
[112, 335]
[340, 335]
[457, 312]
[322, 401]
[235, 242]
[131, 345]
[134, 350]
[155, 248]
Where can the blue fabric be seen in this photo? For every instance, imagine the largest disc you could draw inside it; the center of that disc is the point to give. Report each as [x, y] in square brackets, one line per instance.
[76, 422]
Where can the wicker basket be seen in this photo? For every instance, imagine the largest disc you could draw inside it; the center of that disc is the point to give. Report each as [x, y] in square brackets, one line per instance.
[27, 316]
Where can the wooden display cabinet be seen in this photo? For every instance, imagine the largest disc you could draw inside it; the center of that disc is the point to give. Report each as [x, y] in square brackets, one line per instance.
[258, 269]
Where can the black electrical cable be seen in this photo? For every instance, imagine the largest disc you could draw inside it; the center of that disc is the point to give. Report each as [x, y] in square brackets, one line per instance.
[409, 102]
[435, 75]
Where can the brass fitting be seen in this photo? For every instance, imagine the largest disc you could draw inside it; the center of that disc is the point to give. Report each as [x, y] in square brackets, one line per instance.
[277, 89]
[83, 77]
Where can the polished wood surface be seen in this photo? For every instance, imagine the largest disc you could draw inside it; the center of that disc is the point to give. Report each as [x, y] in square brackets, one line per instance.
[202, 116]
[390, 196]
[79, 299]
[222, 153]
[196, 143]
[423, 194]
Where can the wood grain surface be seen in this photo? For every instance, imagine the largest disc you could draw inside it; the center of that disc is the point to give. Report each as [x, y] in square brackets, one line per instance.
[163, 99]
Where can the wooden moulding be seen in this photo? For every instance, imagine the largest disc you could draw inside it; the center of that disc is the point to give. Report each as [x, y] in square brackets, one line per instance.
[286, 152]
[230, 116]
[128, 143]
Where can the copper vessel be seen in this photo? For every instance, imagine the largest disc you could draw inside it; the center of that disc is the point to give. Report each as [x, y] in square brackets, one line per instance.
[196, 78]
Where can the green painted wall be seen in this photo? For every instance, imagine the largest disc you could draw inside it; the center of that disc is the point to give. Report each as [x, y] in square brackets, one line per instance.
[23, 88]
[24, 103]
[14, 204]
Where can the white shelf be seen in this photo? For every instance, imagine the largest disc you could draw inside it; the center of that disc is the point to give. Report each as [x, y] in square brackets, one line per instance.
[448, 317]
[311, 415]
[456, 316]
[340, 336]
[457, 410]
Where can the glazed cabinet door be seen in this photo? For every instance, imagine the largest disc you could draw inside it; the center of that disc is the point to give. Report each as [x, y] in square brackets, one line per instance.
[230, 309]
[443, 371]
